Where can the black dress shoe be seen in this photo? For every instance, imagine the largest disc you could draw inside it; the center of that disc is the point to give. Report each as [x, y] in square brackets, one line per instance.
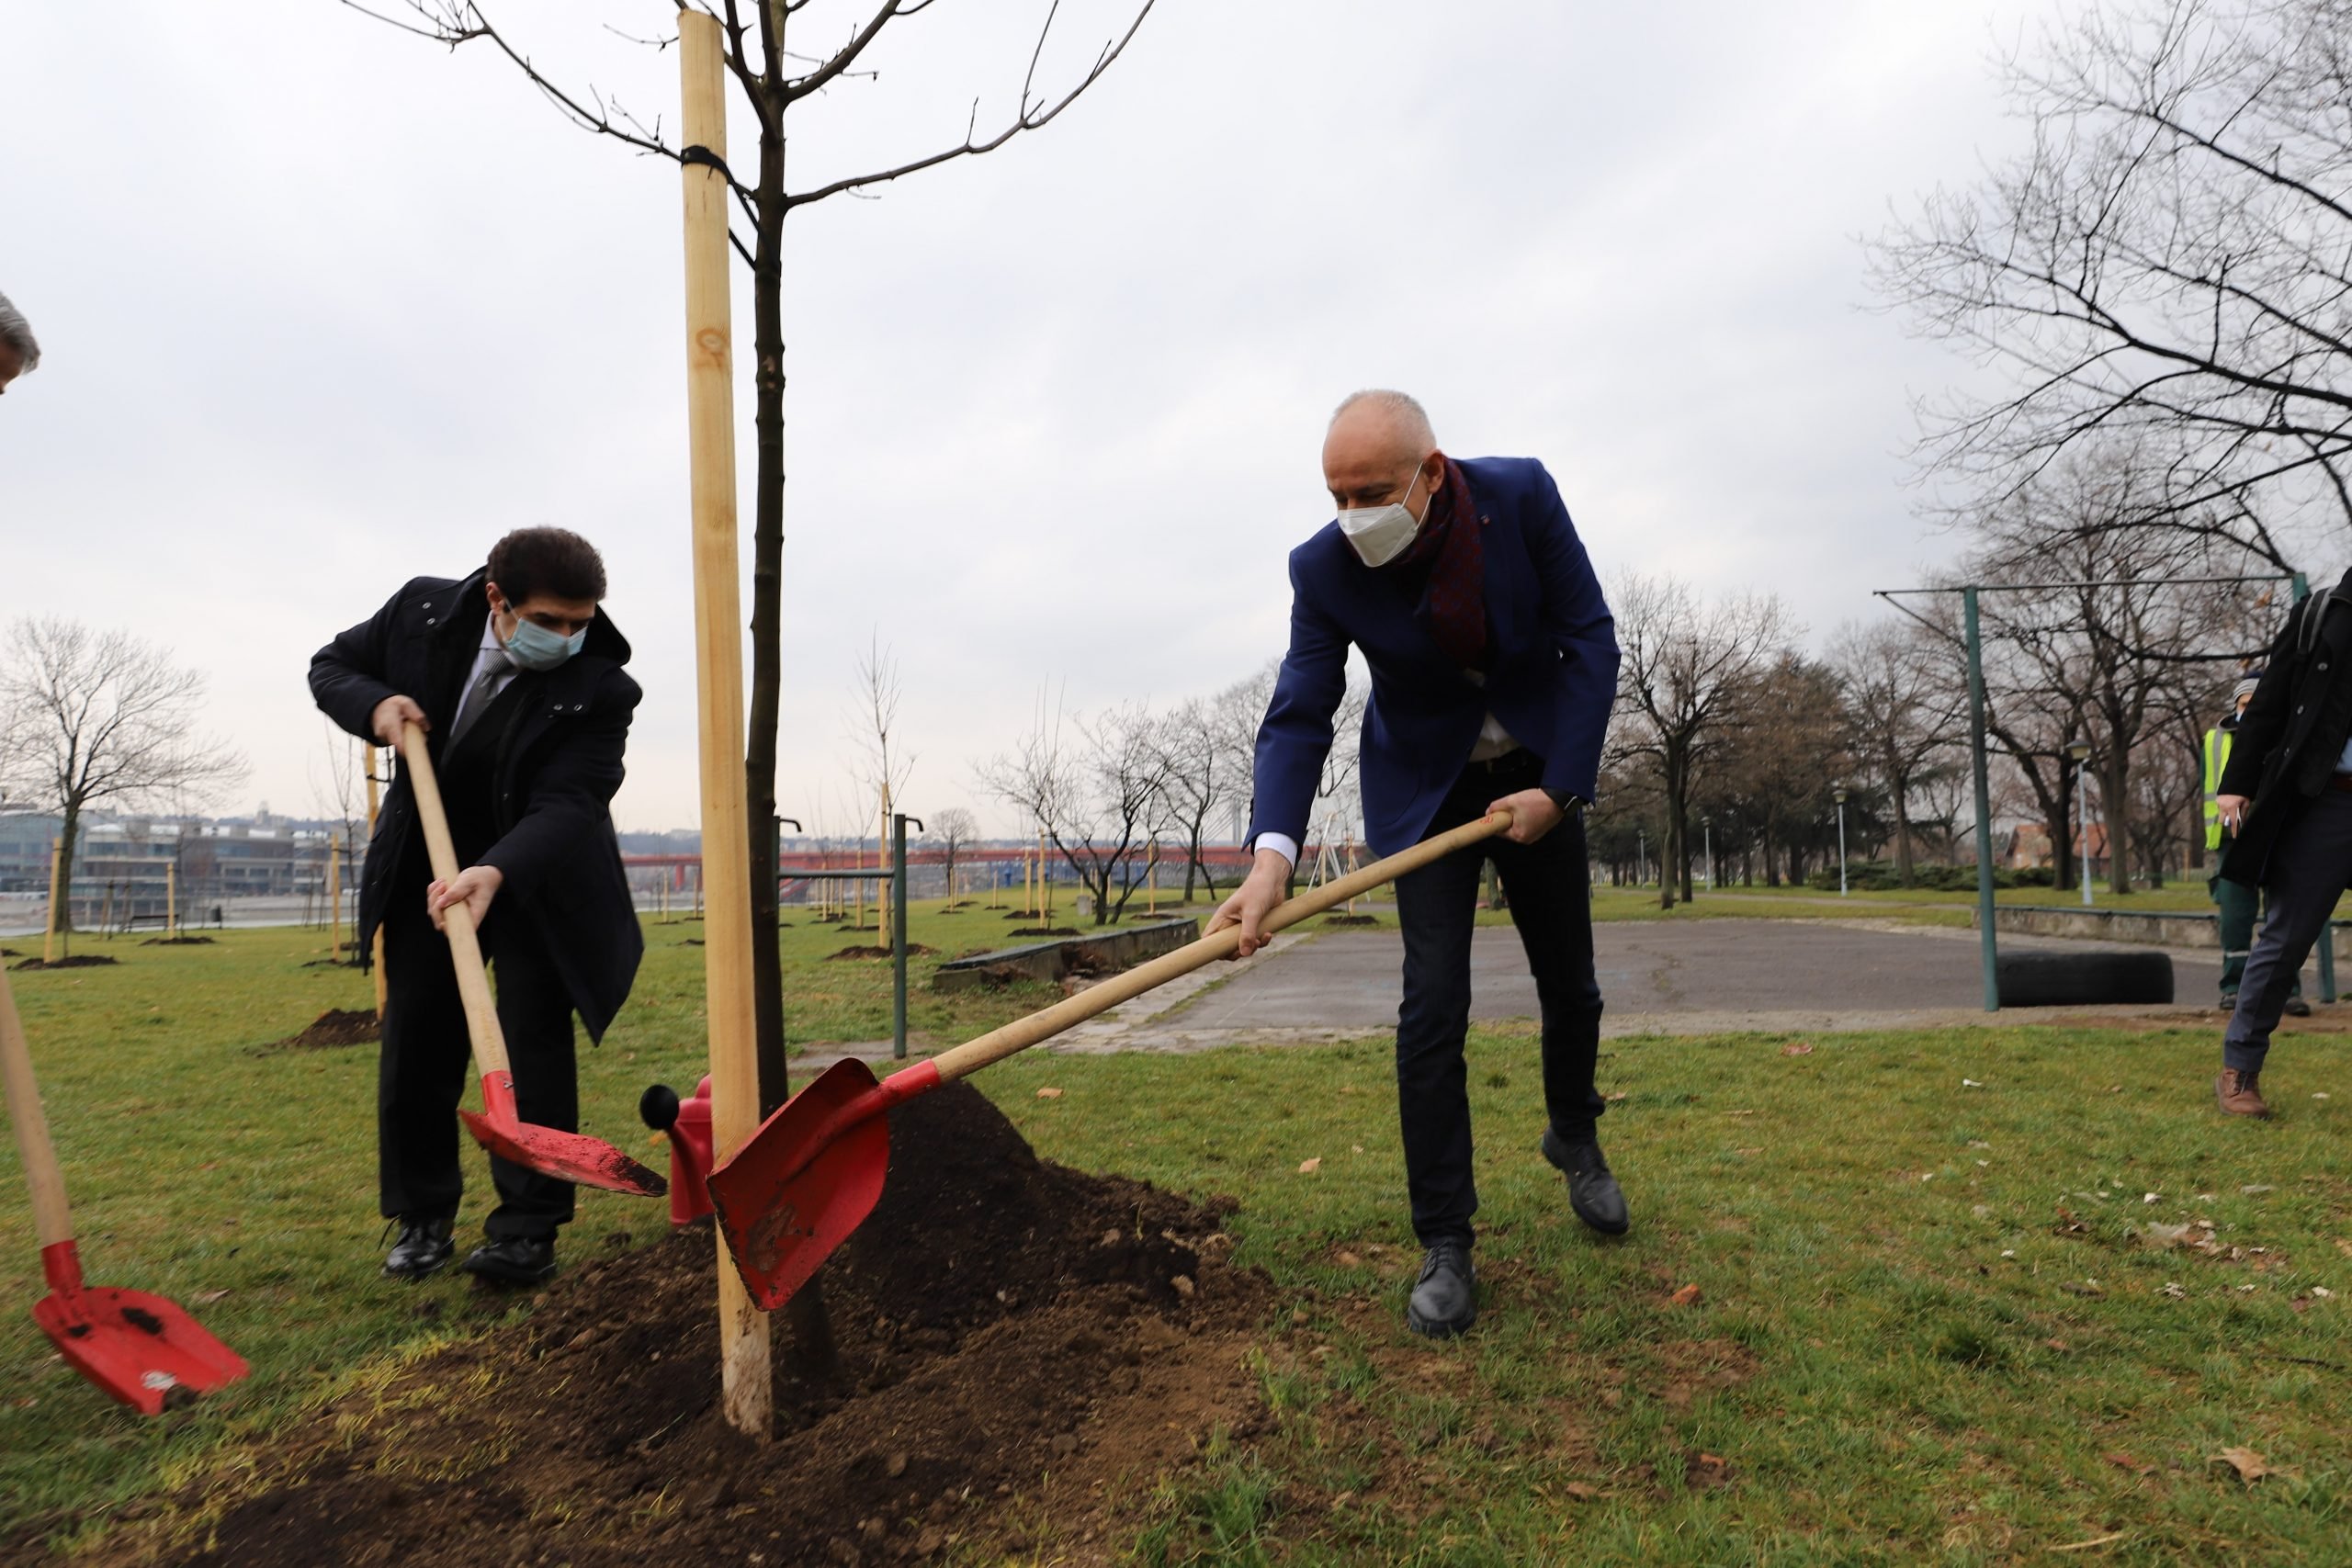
[1593, 1193]
[517, 1260]
[2298, 1007]
[424, 1248]
[1446, 1299]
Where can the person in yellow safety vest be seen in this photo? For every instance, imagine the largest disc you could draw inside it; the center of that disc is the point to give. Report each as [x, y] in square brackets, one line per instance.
[2238, 904]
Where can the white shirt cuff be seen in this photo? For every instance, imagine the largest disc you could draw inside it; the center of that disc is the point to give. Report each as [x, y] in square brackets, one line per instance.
[1281, 843]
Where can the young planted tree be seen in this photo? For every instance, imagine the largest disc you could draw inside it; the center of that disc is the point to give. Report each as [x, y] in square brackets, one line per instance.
[99, 719]
[1199, 777]
[955, 830]
[767, 44]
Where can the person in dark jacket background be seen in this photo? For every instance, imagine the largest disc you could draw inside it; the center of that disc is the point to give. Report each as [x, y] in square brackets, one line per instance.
[2286, 797]
[517, 680]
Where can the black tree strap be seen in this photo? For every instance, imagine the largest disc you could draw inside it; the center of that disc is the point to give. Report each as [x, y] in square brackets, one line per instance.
[698, 154]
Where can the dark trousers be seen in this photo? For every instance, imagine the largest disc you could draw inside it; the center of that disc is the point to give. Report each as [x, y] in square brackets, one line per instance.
[1549, 889]
[426, 1064]
[2239, 906]
[2310, 867]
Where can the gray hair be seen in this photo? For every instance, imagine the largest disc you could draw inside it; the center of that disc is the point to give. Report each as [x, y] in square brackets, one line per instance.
[17, 333]
[1404, 411]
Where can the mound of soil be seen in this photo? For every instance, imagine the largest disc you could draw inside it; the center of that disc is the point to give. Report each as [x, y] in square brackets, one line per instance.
[73, 961]
[333, 1028]
[1014, 1341]
[1049, 931]
[1026, 915]
[9, 952]
[914, 950]
[186, 942]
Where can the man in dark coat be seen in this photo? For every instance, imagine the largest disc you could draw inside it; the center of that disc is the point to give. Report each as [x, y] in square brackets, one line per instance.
[1494, 666]
[517, 679]
[2286, 797]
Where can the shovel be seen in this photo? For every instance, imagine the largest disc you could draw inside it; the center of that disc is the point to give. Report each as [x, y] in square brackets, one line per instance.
[140, 1349]
[812, 1172]
[568, 1156]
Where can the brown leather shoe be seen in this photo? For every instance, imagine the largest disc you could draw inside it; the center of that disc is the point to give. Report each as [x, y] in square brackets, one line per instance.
[2240, 1093]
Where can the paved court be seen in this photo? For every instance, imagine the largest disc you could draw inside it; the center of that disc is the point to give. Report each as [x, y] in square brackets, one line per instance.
[1350, 979]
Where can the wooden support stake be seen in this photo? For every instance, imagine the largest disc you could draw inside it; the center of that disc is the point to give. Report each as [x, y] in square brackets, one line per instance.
[334, 896]
[745, 1393]
[172, 899]
[56, 875]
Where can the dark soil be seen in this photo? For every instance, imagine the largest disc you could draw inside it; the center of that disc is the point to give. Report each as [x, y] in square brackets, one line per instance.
[1020, 1345]
[1343, 920]
[9, 952]
[73, 961]
[1026, 915]
[1049, 931]
[333, 1028]
[914, 950]
[183, 941]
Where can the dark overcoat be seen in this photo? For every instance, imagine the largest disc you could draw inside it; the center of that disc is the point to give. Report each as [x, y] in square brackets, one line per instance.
[557, 767]
[2291, 734]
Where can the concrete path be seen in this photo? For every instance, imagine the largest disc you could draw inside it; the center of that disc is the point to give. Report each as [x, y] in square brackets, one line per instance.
[1707, 977]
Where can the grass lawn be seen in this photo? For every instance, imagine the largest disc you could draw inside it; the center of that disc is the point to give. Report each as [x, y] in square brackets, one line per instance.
[1933, 1322]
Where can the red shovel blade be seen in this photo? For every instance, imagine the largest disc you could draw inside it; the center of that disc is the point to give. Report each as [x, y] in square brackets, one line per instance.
[140, 1348]
[568, 1156]
[805, 1180]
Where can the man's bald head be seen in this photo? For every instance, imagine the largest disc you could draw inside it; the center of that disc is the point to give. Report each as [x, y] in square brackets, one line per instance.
[1378, 442]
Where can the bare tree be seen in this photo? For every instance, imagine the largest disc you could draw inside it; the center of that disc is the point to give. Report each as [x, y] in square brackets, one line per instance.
[1094, 787]
[1199, 775]
[955, 830]
[775, 79]
[95, 718]
[875, 728]
[1907, 714]
[2166, 260]
[1773, 770]
[1685, 666]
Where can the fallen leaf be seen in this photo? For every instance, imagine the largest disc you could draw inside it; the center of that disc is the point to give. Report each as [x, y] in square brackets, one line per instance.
[2161, 1235]
[1049, 1094]
[2171, 1288]
[1614, 1099]
[206, 1298]
[2251, 1188]
[2343, 1246]
[1687, 1296]
[1347, 1260]
[1577, 1492]
[2321, 1095]
[2122, 1460]
[1309, 1167]
[1797, 1048]
[2083, 1288]
[1970, 1083]
[1705, 1472]
[2322, 1292]
[2251, 1466]
[2095, 1541]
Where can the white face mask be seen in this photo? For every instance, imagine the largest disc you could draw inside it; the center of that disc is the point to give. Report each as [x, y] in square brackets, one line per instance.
[1378, 535]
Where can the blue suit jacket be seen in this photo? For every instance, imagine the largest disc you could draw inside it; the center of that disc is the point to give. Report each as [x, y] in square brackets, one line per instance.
[1552, 683]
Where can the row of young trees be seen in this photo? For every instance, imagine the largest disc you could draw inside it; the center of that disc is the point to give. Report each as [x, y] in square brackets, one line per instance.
[1102, 788]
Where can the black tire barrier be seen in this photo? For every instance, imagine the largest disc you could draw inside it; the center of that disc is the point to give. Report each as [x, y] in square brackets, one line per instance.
[2097, 977]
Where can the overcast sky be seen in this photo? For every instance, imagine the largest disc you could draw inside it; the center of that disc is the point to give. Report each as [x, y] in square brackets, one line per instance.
[323, 307]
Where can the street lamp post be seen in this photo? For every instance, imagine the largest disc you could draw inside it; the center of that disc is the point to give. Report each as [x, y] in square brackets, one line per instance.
[1841, 843]
[1641, 858]
[1707, 827]
[2080, 750]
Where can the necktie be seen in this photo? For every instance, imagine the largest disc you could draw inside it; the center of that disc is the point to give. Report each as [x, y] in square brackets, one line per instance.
[478, 698]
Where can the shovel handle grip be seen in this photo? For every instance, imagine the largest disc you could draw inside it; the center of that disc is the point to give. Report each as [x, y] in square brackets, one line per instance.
[52, 1224]
[465, 943]
[1023, 1032]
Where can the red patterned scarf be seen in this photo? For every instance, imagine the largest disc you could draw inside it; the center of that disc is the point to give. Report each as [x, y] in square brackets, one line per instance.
[1450, 550]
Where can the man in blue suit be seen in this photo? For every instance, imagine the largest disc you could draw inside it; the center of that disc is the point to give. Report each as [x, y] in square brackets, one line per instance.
[1494, 666]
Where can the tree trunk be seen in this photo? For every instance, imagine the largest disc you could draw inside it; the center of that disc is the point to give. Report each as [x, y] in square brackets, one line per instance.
[1905, 863]
[69, 835]
[2116, 808]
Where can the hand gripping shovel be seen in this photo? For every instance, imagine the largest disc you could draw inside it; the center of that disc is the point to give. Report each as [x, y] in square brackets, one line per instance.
[811, 1173]
[568, 1156]
[140, 1349]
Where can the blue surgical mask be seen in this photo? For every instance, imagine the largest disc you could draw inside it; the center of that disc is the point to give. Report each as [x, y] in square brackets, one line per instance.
[533, 647]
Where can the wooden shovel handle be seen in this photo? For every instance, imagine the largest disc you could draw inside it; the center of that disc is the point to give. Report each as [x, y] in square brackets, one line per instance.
[464, 944]
[52, 1222]
[1023, 1032]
